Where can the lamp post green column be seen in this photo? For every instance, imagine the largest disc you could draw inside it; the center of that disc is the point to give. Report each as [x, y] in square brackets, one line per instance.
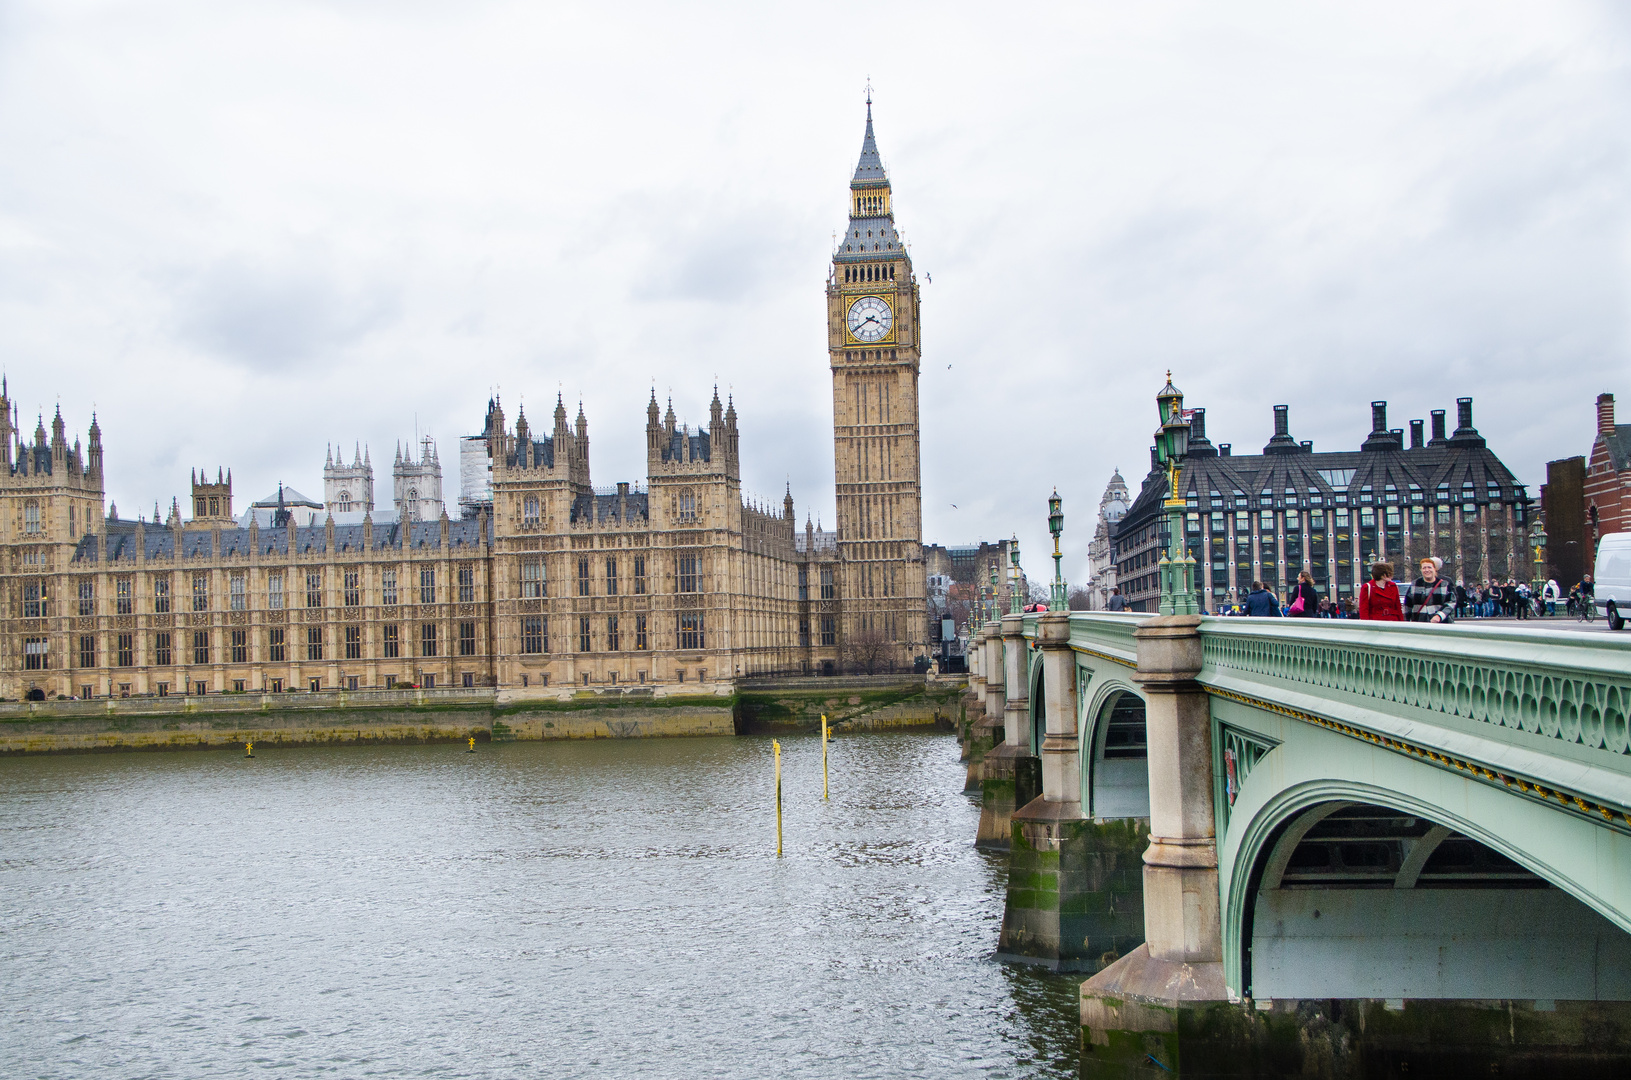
[1056, 526]
[1016, 602]
[1177, 569]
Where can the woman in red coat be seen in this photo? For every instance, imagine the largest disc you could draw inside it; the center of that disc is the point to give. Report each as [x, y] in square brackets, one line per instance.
[1379, 597]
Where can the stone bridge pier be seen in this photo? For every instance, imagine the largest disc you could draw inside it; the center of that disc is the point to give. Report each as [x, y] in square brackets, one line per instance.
[1012, 773]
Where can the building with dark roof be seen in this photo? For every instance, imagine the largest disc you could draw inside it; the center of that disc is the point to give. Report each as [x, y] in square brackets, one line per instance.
[1267, 516]
[545, 584]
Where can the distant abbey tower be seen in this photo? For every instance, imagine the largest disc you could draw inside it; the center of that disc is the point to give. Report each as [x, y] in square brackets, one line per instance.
[873, 343]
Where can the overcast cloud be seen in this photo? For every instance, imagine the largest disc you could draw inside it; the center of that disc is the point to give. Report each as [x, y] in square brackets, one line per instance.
[240, 231]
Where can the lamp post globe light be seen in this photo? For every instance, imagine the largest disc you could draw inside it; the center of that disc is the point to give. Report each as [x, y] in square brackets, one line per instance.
[1171, 447]
[991, 602]
[1016, 602]
[1056, 526]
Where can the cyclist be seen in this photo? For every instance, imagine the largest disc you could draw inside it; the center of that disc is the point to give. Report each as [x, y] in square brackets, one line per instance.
[1587, 591]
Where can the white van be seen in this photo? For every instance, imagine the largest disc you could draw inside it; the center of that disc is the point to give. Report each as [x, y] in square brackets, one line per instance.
[1612, 577]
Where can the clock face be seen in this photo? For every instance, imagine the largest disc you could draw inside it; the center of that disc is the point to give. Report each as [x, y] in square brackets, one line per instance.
[870, 319]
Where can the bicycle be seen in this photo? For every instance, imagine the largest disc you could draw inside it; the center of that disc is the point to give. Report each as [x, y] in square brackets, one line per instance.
[1588, 609]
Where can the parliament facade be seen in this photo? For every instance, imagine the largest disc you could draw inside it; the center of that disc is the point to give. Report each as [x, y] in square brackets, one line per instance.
[544, 584]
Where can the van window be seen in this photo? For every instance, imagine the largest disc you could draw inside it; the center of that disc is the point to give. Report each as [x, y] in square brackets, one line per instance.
[1614, 561]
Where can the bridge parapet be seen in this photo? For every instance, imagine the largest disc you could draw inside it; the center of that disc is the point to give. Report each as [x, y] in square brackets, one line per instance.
[1541, 713]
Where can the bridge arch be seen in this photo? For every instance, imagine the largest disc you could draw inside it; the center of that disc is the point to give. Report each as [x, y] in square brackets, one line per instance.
[1036, 718]
[1339, 886]
[1111, 734]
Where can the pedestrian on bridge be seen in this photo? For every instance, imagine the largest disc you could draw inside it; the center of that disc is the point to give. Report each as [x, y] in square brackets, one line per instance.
[1261, 602]
[1305, 598]
[1379, 597]
[1430, 599]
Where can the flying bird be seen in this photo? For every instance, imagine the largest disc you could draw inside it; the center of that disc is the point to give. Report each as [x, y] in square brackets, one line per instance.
[954, 506]
[929, 276]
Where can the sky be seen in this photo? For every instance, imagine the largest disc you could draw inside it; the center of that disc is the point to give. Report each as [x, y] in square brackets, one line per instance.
[240, 232]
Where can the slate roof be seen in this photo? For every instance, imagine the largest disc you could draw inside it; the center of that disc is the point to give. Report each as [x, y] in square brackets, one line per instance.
[869, 170]
[1619, 448]
[543, 450]
[597, 509]
[1241, 481]
[869, 238]
[195, 543]
[700, 446]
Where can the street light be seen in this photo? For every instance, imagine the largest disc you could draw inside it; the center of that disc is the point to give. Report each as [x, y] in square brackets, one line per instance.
[1171, 447]
[1056, 525]
[1016, 603]
[1537, 537]
[991, 603]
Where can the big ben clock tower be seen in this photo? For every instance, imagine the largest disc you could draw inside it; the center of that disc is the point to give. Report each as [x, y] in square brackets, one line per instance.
[873, 343]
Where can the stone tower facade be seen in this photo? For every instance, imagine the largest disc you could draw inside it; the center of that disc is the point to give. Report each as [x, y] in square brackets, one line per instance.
[417, 484]
[348, 488]
[212, 502]
[873, 343]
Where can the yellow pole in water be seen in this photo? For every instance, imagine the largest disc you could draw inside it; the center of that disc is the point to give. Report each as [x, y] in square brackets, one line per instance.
[776, 747]
[823, 755]
[472, 749]
[249, 749]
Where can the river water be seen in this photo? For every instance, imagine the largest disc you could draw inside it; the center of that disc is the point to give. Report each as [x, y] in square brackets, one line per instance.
[562, 909]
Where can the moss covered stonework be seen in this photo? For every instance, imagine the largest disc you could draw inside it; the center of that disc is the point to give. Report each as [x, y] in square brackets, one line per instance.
[861, 703]
[1356, 1039]
[340, 718]
[1075, 888]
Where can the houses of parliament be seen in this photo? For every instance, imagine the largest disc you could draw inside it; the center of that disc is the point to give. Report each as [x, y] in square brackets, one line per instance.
[539, 583]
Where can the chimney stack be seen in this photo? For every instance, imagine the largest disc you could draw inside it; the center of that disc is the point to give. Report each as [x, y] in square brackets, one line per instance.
[1378, 416]
[1438, 428]
[1605, 414]
[1463, 414]
[1416, 434]
[1282, 424]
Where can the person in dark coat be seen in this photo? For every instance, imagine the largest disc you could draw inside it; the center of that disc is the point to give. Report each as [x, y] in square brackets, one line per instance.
[1261, 602]
[1305, 591]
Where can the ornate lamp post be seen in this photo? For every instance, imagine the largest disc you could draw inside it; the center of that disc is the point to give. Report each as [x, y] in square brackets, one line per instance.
[1171, 447]
[1056, 525]
[1016, 602]
[1537, 538]
[991, 602]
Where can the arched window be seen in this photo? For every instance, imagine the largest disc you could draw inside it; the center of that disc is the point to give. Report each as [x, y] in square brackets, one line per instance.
[529, 510]
[688, 506]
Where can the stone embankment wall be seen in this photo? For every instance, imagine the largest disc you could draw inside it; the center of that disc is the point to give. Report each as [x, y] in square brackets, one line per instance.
[852, 703]
[341, 717]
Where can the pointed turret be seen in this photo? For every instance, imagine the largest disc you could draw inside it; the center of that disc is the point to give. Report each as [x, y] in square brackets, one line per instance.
[870, 167]
[59, 437]
[716, 415]
[93, 467]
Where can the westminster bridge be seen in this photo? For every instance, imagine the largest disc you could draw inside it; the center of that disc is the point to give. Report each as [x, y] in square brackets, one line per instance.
[1342, 848]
